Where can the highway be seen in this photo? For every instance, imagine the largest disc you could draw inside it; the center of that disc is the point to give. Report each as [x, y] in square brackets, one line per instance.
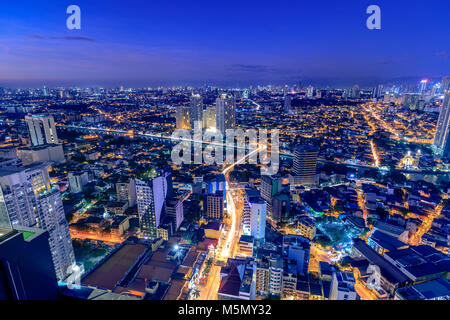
[284, 155]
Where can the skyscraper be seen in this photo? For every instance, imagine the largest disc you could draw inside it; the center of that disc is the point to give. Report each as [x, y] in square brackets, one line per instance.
[258, 211]
[270, 186]
[251, 196]
[356, 92]
[42, 130]
[209, 118]
[183, 118]
[150, 194]
[423, 86]
[28, 199]
[287, 103]
[225, 112]
[305, 163]
[196, 109]
[441, 138]
[445, 85]
[310, 91]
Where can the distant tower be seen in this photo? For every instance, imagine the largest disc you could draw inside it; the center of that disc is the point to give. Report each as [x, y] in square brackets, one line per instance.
[287, 103]
[183, 118]
[445, 85]
[196, 109]
[423, 86]
[225, 112]
[42, 130]
[441, 138]
[356, 92]
[209, 118]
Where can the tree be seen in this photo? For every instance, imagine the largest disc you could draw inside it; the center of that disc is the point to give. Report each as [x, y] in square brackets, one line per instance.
[196, 293]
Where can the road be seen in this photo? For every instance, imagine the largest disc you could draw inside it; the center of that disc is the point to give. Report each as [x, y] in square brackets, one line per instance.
[231, 236]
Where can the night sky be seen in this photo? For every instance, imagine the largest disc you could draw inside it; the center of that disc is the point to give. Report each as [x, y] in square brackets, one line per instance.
[229, 43]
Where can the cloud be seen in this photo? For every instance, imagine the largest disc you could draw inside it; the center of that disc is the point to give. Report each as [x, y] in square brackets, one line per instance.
[250, 68]
[443, 54]
[66, 38]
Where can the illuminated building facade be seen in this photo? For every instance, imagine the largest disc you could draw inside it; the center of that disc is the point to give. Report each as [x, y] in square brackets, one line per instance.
[183, 118]
[29, 200]
[225, 113]
[42, 130]
[150, 198]
[196, 109]
[441, 138]
[305, 163]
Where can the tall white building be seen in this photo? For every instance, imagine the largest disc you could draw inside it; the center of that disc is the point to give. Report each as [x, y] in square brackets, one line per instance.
[225, 113]
[150, 198]
[42, 130]
[28, 199]
[251, 195]
[258, 211]
[442, 136]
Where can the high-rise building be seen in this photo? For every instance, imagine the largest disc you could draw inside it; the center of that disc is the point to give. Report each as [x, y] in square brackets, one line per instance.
[250, 196]
[445, 85]
[378, 91]
[150, 195]
[28, 199]
[26, 271]
[214, 205]
[269, 273]
[174, 209]
[442, 136]
[42, 130]
[310, 92]
[126, 191]
[225, 112]
[287, 103]
[281, 207]
[423, 86]
[196, 109]
[356, 92]
[209, 118]
[183, 118]
[258, 210]
[270, 186]
[77, 181]
[305, 163]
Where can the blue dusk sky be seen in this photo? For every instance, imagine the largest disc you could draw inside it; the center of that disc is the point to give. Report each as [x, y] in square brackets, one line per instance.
[228, 43]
